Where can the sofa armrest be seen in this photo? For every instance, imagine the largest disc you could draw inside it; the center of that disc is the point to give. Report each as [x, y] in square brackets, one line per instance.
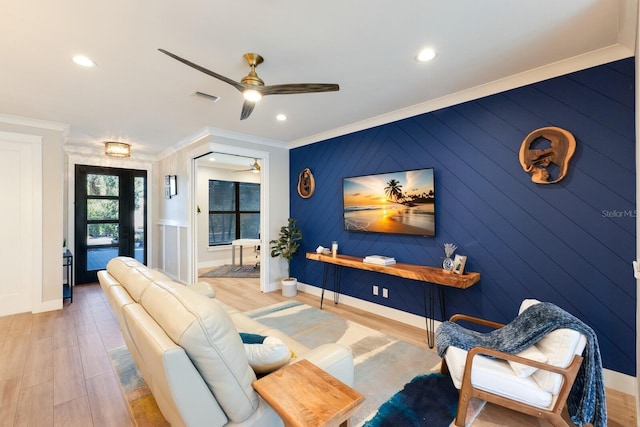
[335, 359]
[204, 288]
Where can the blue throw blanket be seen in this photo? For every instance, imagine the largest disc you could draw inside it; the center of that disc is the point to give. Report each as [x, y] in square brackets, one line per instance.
[586, 401]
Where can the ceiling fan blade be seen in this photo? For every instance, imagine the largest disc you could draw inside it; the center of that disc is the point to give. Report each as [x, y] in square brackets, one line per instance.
[247, 108]
[288, 89]
[233, 83]
[255, 167]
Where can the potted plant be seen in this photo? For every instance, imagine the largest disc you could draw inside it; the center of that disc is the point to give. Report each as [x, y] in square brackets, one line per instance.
[286, 245]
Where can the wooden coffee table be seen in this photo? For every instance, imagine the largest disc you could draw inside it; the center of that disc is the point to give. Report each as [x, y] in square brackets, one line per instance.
[305, 395]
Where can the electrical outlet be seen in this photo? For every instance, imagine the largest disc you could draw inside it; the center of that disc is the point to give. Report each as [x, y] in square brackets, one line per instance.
[375, 289]
[385, 293]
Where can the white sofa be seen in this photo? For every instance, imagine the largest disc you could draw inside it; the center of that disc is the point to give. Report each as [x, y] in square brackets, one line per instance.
[188, 348]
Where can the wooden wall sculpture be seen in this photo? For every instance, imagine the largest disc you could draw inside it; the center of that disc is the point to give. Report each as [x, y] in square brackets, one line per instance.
[306, 184]
[541, 163]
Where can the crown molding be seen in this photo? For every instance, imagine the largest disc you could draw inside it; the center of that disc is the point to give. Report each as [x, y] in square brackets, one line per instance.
[35, 123]
[213, 133]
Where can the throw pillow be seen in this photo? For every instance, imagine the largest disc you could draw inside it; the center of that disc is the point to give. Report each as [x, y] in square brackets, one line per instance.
[265, 354]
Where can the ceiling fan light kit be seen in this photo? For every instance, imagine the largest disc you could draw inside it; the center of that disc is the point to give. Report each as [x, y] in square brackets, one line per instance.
[117, 149]
[253, 88]
[252, 95]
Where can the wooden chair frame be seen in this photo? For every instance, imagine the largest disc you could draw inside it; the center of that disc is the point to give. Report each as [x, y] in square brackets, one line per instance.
[468, 391]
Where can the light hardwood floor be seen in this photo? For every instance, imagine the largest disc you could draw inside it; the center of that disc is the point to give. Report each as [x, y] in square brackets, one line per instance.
[55, 369]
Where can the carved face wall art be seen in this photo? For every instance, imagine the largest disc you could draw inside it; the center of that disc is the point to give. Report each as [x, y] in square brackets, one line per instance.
[545, 154]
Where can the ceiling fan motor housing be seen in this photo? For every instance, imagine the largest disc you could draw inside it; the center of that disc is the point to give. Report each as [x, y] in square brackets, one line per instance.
[253, 59]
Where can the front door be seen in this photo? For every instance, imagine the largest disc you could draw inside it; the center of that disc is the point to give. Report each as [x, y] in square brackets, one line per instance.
[110, 218]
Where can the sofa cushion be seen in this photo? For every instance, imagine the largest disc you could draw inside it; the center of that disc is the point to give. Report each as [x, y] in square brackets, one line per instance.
[559, 346]
[204, 330]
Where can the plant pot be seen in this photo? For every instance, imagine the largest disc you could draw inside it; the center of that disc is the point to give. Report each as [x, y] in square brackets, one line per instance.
[289, 287]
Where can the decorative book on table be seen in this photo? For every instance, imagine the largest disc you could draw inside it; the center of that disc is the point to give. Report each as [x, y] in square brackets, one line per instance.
[379, 260]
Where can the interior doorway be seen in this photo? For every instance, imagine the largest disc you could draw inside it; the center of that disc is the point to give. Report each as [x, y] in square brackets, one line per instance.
[228, 193]
[110, 218]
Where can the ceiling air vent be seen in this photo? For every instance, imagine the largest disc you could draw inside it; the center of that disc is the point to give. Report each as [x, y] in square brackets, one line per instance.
[206, 96]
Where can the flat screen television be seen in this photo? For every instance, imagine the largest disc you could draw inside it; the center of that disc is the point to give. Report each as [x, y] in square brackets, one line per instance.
[395, 202]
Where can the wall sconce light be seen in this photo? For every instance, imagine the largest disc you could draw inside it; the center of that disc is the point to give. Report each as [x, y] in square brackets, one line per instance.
[117, 149]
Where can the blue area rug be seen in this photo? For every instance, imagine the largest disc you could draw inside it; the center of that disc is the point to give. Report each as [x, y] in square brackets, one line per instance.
[383, 364]
[428, 400]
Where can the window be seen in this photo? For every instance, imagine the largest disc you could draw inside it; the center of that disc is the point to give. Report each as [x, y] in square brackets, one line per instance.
[234, 211]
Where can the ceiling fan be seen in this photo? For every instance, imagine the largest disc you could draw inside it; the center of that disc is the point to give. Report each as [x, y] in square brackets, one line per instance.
[253, 87]
[255, 167]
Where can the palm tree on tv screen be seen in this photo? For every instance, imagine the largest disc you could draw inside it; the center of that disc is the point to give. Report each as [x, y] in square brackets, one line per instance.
[394, 190]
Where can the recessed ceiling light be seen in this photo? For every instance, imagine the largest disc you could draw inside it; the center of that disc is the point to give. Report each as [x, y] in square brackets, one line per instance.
[212, 159]
[426, 55]
[84, 61]
[281, 117]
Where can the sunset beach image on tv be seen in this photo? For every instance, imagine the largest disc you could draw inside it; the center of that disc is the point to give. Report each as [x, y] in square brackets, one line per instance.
[395, 202]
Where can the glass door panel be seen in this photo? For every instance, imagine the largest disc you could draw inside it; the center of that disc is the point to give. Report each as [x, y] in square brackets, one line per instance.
[110, 218]
[139, 223]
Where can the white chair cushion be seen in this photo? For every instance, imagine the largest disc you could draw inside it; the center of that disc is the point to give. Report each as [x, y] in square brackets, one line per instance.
[532, 353]
[559, 346]
[496, 376]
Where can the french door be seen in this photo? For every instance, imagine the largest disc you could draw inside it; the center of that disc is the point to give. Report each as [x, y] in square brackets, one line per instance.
[110, 218]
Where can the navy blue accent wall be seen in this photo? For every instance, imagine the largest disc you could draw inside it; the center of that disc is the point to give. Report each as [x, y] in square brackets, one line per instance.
[569, 243]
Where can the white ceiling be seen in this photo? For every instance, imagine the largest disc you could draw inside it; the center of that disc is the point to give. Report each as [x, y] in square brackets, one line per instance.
[138, 95]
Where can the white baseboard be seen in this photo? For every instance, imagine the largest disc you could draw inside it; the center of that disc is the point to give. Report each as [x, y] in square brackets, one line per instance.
[621, 382]
[612, 379]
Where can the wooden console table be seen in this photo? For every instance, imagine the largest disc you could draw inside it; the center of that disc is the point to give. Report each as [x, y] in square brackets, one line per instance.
[421, 273]
[305, 395]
